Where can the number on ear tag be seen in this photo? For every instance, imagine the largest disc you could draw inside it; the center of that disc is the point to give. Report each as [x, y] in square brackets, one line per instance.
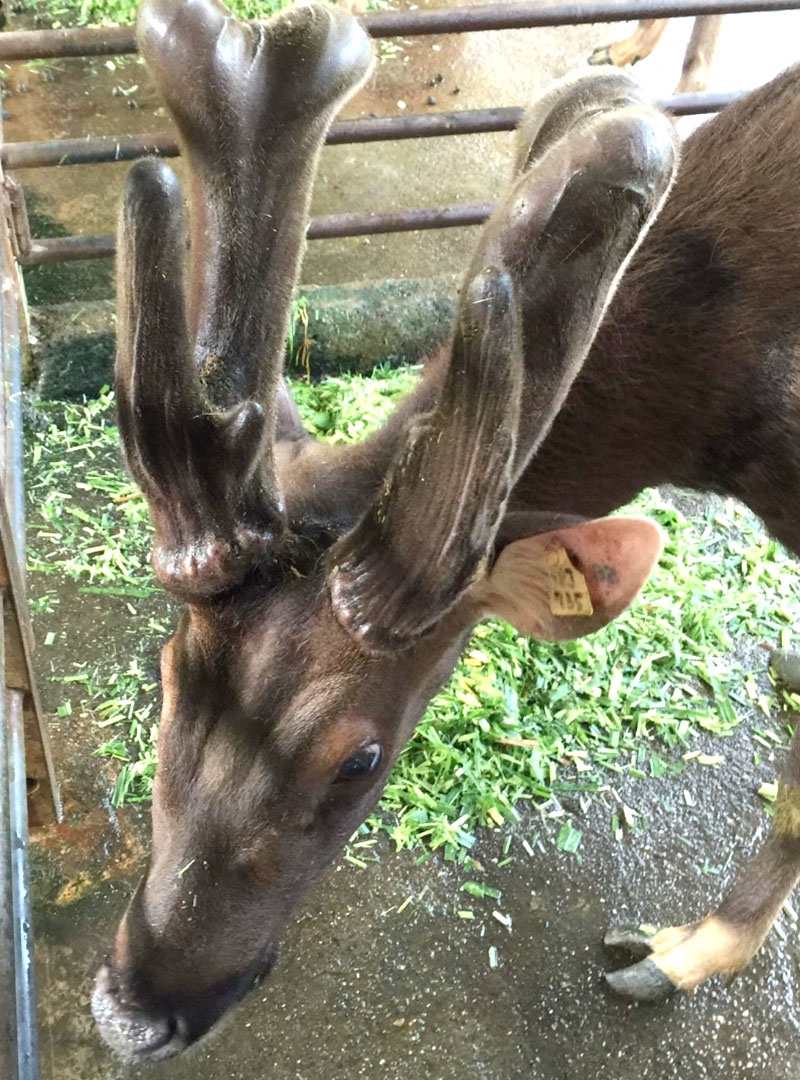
[569, 593]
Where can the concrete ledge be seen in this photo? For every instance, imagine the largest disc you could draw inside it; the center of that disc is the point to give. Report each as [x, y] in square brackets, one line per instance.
[345, 328]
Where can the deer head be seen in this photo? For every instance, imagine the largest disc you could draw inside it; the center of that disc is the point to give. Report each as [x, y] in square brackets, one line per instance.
[323, 614]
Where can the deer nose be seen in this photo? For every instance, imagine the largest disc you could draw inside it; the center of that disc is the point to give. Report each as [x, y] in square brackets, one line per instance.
[132, 1033]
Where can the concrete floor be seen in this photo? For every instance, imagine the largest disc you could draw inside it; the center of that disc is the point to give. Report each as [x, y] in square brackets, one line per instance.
[364, 989]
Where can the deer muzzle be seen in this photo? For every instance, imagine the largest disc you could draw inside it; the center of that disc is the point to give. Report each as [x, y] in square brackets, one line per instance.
[141, 1025]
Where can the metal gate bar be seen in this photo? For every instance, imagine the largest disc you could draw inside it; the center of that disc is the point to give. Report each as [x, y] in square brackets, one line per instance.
[90, 41]
[96, 151]
[329, 227]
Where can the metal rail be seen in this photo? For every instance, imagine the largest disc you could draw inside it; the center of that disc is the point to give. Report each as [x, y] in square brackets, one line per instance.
[8, 1011]
[33, 252]
[538, 13]
[95, 151]
[28, 790]
[27, 1043]
[329, 227]
[83, 41]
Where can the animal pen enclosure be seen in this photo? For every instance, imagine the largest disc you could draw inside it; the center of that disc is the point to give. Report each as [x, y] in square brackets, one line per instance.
[27, 784]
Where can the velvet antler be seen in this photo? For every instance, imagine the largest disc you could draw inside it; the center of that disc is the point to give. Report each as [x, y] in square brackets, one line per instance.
[197, 381]
[593, 177]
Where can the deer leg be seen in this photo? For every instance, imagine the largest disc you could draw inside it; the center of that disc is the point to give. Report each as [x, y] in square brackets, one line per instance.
[634, 48]
[683, 957]
[699, 54]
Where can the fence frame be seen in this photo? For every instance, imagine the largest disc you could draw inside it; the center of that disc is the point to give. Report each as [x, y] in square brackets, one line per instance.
[28, 789]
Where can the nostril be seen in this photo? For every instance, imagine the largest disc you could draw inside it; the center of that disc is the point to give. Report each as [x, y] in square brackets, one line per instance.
[131, 1032]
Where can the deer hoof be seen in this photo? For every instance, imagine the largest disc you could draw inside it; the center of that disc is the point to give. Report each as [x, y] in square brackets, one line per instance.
[635, 940]
[643, 981]
[601, 55]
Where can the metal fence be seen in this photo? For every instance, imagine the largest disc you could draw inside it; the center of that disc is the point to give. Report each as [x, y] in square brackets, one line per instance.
[50, 44]
[27, 787]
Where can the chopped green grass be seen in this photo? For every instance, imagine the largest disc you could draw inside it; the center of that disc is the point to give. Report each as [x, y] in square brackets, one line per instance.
[520, 722]
[345, 408]
[87, 520]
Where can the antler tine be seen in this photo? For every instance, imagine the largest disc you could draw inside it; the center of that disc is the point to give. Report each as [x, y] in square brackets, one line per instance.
[424, 562]
[153, 383]
[252, 104]
[544, 271]
[207, 501]
[570, 101]
[600, 186]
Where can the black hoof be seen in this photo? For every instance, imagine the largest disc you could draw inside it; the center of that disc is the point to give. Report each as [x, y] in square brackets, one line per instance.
[601, 55]
[644, 981]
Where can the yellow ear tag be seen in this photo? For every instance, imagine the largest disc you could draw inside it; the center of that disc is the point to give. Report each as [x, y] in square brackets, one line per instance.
[569, 593]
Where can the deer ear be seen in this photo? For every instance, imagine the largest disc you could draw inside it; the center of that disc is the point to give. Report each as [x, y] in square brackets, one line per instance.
[569, 582]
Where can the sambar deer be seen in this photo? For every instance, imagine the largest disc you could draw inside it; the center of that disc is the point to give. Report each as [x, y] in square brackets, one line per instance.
[330, 589]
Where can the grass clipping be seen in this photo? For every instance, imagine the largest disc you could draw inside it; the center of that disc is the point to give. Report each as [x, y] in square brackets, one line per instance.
[520, 721]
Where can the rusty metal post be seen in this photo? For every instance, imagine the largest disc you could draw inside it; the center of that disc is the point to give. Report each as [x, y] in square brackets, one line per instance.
[20, 225]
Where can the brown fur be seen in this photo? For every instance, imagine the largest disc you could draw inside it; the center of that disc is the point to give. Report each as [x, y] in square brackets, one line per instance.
[637, 46]
[688, 955]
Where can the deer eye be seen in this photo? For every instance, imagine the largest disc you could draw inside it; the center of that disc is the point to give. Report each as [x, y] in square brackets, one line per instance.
[363, 762]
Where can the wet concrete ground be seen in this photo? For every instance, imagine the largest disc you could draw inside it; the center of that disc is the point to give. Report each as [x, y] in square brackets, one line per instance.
[364, 988]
